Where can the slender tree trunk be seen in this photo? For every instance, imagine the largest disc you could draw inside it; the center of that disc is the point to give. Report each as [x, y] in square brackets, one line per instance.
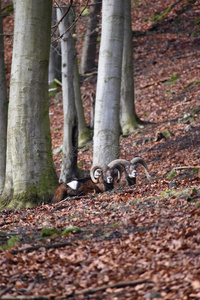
[106, 127]
[128, 118]
[55, 55]
[84, 133]
[90, 43]
[3, 110]
[70, 136]
[30, 173]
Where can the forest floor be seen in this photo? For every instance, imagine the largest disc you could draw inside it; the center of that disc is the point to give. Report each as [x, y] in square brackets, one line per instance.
[142, 242]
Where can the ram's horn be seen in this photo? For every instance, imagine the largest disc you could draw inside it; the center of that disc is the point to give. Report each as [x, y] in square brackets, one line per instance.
[94, 168]
[116, 165]
[139, 160]
[122, 162]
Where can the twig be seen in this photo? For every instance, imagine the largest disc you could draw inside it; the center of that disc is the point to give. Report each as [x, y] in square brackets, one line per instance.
[186, 167]
[7, 289]
[72, 25]
[88, 291]
[111, 286]
[56, 25]
[29, 249]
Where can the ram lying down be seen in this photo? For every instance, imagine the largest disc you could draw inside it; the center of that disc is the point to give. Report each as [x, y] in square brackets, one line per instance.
[102, 178]
[118, 173]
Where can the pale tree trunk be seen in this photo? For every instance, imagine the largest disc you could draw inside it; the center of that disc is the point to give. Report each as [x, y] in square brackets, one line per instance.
[70, 136]
[106, 127]
[90, 43]
[55, 55]
[84, 133]
[14, 4]
[3, 110]
[30, 173]
[128, 118]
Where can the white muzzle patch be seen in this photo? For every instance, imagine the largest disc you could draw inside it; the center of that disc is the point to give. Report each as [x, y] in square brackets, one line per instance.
[109, 179]
[133, 174]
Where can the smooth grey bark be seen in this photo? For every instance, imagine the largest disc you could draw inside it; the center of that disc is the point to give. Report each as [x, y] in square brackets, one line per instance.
[30, 173]
[90, 42]
[128, 118]
[55, 55]
[106, 125]
[84, 133]
[70, 135]
[3, 110]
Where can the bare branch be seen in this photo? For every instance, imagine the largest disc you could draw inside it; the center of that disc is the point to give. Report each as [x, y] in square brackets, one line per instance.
[72, 25]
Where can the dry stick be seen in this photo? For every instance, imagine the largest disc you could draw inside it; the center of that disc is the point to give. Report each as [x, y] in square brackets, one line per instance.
[87, 291]
[186, 167]
[7, 289]
[60, 37]
[29, 249]
[111, 286]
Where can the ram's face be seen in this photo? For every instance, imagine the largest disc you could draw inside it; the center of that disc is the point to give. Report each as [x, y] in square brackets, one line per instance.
[131, 171]
[109, 176]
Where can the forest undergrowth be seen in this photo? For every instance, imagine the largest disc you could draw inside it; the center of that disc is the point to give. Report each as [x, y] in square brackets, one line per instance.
[142, 242]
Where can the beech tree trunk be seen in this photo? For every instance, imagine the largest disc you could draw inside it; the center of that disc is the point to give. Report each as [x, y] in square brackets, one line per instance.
[30, 173]
[70, 135]
[90, 42]
[55, 55]
[128, 118]
[3, 110]
[84, 133]
[106, 126]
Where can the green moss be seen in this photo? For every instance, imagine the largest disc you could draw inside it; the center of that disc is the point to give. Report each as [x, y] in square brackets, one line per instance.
[84, 137]
[46, 232]
[129, 126]
[33, 195]
[171, 175]
[70, 229]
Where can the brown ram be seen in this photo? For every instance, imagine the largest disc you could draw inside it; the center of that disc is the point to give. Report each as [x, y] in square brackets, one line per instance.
[107, 177]
[102, 178]
[129, 173]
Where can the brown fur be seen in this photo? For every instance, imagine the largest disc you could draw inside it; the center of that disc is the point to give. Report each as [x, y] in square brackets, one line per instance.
[86, 186]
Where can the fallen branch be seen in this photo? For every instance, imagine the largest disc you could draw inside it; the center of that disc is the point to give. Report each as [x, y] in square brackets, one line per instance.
[7, 289]
[85, 291]
[111, 286]
[186, 167]
[29, 249]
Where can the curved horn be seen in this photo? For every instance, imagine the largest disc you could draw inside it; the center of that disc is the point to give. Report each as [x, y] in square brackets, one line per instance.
[122, 162]
[139, 160]
[94, 168]
[115, 165]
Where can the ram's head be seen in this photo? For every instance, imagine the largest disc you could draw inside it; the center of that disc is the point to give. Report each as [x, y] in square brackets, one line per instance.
[104, 173]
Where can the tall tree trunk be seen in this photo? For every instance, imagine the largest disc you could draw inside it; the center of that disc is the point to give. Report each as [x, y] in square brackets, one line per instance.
[30, 173]
[84, 133]
[70, 136]
[55, 55]
[90, 42]
[128, 118]
[3, 110]
[106, 127]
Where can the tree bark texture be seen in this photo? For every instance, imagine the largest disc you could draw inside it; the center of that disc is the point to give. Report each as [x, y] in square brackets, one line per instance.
[70, 135]
[128, 118]
[106, 127]
[55, 55]
[3, 110]
[84, 133]
[30, 173]
[90, 42]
